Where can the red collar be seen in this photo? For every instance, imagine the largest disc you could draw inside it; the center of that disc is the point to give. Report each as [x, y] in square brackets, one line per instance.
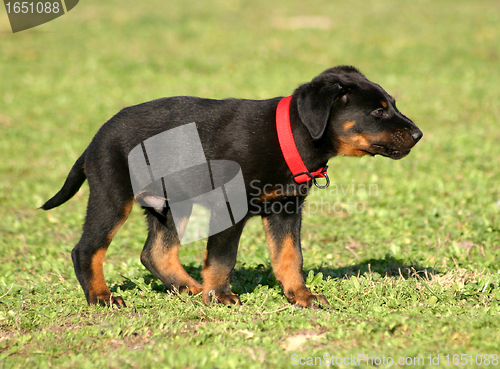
[289, 150]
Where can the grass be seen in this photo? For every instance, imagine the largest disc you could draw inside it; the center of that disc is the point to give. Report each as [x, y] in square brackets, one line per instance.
[410, 269]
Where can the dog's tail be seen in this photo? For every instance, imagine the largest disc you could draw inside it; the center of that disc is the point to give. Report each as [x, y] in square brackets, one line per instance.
[75, 179]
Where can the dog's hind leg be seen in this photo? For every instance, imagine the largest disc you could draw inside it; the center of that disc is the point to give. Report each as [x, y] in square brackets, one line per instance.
[161, 255]
[222, 249]
[105, 216]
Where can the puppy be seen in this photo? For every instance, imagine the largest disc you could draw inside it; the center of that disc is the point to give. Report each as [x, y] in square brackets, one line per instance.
[280, 148]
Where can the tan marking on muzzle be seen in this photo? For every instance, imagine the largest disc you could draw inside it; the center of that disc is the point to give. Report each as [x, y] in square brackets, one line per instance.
[357, 145]
[361, 141]
[348, 125]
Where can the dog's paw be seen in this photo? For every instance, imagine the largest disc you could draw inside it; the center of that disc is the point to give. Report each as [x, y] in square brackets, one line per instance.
[112, 301]
[223, 298]
[191, 290]
[308, 300]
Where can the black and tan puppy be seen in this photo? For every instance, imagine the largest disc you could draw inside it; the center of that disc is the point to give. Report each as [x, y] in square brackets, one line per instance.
[339, 112]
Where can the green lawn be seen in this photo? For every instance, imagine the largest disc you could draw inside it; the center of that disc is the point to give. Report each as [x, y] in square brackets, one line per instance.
[411, 267]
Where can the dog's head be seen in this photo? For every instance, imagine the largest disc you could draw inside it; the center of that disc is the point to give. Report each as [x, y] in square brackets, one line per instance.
[357, 116]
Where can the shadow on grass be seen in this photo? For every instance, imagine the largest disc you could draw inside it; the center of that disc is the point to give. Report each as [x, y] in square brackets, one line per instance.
[246, 279]
[389, 266]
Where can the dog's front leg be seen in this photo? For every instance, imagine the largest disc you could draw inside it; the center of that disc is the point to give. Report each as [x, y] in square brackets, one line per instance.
[283, 237]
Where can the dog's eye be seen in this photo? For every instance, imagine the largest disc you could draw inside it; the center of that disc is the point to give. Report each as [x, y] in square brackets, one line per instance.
[378, 112]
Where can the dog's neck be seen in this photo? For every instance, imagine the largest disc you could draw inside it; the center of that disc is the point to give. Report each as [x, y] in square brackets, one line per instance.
[310, 153]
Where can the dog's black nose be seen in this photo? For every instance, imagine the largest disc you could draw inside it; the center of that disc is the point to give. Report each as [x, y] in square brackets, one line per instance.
[417, 135]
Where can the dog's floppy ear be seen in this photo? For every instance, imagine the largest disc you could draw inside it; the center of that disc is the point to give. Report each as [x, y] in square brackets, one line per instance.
[314, 102]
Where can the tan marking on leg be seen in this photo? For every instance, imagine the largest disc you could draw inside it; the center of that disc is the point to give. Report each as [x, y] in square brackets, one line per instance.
[167, 263]
[288, 266]
[269, 239]
[97, 285]
[123, 217]
[214, 277]
[287, 261]
[216, 284]
[98, 290]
